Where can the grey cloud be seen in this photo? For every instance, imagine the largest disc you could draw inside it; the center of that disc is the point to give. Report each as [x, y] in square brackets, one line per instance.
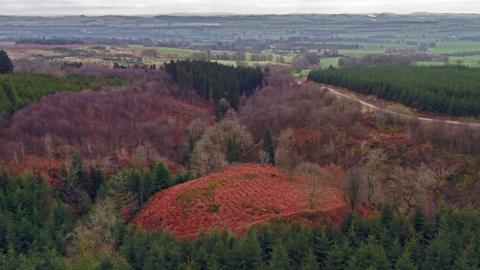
[132, 7]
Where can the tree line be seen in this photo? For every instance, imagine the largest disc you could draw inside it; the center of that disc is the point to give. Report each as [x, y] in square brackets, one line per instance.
[452, 90]
[220, 84]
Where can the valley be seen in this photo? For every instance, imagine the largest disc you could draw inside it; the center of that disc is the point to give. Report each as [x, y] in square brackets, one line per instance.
[313, 141]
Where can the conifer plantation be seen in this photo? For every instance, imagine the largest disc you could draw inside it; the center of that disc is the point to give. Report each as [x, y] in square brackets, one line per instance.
[453, 90]
[214, 82]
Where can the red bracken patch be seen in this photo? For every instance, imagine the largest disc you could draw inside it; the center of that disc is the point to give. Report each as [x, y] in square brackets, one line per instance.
[236, 198]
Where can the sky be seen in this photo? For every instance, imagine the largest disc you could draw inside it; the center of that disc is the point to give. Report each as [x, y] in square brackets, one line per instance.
[146, 7]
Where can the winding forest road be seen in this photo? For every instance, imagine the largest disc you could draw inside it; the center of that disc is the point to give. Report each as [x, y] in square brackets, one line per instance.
[332, 90]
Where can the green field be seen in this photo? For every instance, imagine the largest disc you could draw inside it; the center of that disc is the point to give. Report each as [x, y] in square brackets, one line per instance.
[361, 52]
[372, 48]
[430, 63]
[455, 46]
[301, 73]
[166, 51]
[330, 61]
[175, 51]
[471, 61]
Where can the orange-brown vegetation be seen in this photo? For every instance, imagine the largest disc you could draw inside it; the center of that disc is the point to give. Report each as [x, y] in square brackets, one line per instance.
[237, 198]
[331, 130]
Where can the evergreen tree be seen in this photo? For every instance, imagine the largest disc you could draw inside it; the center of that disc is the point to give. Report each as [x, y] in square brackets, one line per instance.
[310, 262]
[320, 245]
[268, 147]
[337, 257]
[6, 65]
[369, 256]
[419, 222]
[405, 262]
[92, 183]
[467, 259]
[439, 253]
[161, 178]
[233, 153]
[280, 259]
[251, 252]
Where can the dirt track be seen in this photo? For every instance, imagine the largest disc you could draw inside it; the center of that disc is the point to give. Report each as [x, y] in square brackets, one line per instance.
[332, 90]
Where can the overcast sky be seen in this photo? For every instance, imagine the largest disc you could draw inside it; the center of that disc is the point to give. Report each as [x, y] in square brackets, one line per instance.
[135, 7]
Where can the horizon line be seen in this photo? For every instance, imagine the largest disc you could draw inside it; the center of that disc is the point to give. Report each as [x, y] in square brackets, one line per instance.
[227, 14]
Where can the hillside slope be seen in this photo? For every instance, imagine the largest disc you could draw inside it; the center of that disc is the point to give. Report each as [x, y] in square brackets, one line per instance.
[236, 198]
[110, 128]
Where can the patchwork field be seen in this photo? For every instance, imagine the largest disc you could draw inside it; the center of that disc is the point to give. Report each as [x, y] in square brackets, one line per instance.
[455, 46]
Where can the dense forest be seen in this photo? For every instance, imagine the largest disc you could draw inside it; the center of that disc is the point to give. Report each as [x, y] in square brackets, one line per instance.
[20, 89]
[37, 232]
[453, 90]
[215, 82]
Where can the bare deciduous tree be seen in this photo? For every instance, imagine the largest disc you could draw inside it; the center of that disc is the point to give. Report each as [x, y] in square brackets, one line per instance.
[209, 152]
[95, 233]
[433, 177]
[408, 188]
[374, 172]
[354, 189]
[312, 175]
[287, 155]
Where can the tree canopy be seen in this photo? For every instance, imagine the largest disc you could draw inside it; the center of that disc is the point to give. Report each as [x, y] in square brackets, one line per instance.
[213, 81]
[453, 90]
[6, 65]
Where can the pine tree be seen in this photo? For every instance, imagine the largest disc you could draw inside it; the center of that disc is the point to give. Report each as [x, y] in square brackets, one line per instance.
[405, 262]
[419, 221]
[232, 154]
[268, 147]
[161, 178]
[92, 183]
[369, 256]
[6, 65]
[279, 260]
[439, 253]
[320, 245]
[310, 262]
[467, 260]
[251, 251]
[337, 257]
